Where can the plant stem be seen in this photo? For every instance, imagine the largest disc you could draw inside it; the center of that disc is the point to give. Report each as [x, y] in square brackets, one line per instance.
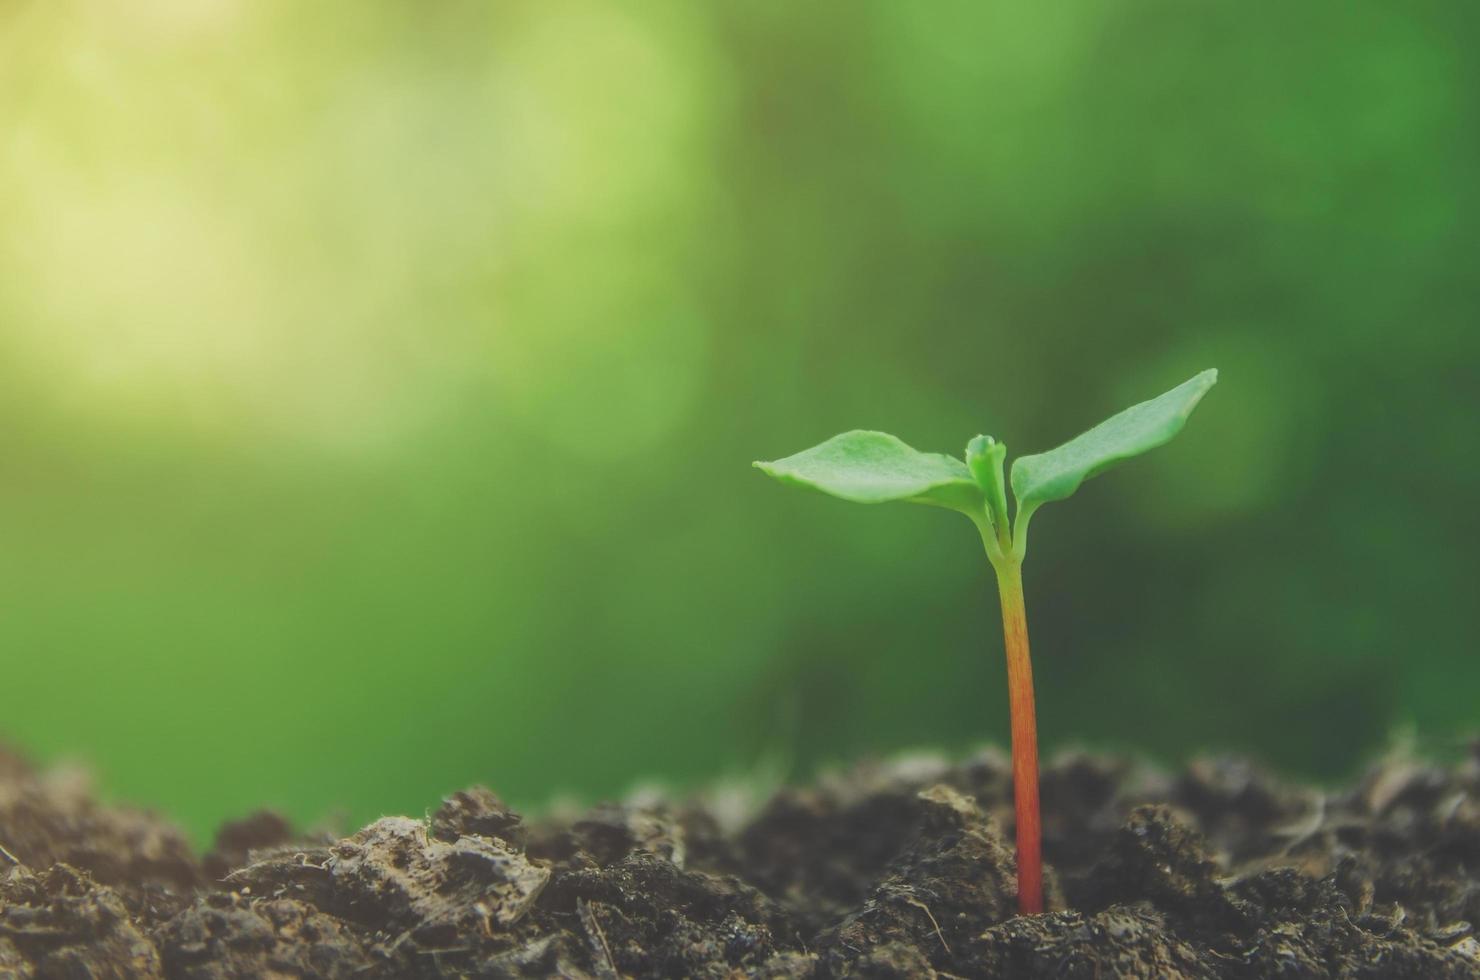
[1024, 734]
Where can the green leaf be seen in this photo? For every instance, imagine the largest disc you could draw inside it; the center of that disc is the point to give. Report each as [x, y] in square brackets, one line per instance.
[984, 456]
[874, 468]
[1057, 473]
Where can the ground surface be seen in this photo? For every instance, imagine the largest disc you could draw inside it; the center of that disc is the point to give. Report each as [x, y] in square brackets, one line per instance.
[896, 870]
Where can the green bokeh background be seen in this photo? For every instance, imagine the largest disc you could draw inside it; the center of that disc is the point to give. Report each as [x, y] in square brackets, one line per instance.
[379, 382]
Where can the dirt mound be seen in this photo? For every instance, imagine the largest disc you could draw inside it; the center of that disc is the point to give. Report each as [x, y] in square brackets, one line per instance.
[890, 870]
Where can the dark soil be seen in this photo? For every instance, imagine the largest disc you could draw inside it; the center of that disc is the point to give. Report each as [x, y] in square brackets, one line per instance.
[890, 870]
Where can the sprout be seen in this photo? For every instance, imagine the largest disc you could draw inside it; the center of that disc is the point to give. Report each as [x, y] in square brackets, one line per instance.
[875, 467]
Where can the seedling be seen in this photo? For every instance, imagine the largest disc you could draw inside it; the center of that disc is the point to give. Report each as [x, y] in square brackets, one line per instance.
[875, 467]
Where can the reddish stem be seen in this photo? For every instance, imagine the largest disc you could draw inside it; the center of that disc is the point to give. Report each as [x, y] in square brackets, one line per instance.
[1024, 738]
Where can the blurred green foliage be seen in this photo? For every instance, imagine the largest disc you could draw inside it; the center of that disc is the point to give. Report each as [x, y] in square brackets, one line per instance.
[379, 383]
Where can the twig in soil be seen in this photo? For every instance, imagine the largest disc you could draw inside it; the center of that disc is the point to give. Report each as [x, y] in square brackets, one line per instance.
[1450, 807]
[597, 938]
[301, 858]
[910, 900]
[389, 950]
[1307, 827]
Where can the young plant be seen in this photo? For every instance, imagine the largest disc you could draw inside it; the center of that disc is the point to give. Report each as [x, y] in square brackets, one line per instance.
[875, 467]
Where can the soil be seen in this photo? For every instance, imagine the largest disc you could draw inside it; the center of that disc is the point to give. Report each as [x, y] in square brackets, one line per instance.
[898, 869]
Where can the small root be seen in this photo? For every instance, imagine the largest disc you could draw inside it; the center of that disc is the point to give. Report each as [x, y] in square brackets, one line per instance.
[910, 900]
[597, 938]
